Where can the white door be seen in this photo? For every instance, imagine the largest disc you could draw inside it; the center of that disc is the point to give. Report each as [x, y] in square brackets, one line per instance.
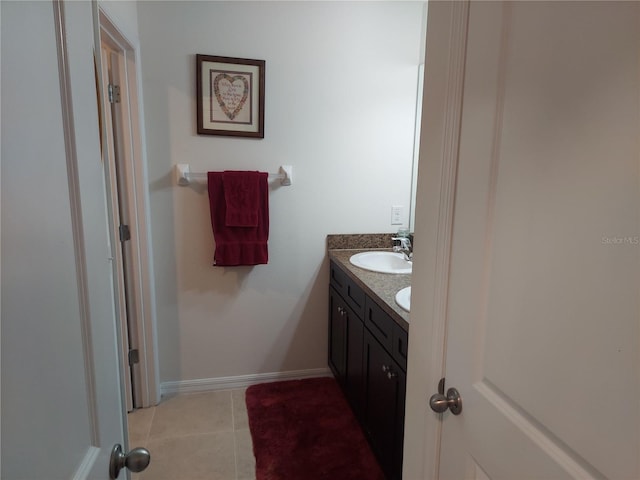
[542, 306]
[127, 202]
[62, 406]
[117, 209]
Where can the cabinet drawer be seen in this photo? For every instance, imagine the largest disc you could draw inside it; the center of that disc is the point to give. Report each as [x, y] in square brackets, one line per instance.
[338, 279]
[379, 324]
[400, 346]
[350, 291]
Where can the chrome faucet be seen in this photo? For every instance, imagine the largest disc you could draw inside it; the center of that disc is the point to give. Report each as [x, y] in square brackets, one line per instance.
[404, 246]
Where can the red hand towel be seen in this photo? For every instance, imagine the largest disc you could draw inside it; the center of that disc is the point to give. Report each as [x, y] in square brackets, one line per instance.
[241, 197]
[238, 245]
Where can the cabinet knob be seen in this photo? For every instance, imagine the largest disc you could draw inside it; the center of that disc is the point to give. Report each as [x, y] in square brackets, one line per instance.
[385, 368]
[391, 375]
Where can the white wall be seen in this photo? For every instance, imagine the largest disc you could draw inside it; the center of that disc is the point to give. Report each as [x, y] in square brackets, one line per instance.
[124, 14]
[340, 105]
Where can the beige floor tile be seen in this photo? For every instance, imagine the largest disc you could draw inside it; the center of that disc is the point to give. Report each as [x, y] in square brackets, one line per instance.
[139, 422]
[191, 414]
[207, 456]
[240, 417]
[245, 461]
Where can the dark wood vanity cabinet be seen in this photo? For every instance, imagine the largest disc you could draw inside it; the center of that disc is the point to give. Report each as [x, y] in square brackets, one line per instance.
[337, 336]
[346, 332]
[367, 355]
[386, 385]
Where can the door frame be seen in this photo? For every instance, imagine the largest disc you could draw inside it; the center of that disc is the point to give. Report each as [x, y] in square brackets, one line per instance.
[445, 55]
[138, 205]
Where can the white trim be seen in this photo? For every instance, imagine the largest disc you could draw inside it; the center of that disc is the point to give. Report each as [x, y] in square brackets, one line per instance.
[439, 146]
[449, 172]
[534, 432]
[444, 232]
[86, 465]
[75, 203]
[152, 372]
[240, 381]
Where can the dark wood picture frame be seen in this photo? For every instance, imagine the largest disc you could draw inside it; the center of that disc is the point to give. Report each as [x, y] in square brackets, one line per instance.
[230, 96]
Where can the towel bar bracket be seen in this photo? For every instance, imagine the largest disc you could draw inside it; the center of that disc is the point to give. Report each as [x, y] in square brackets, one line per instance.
[184, 175]
[287, 171]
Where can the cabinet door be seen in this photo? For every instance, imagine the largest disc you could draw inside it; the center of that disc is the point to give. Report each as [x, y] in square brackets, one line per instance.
[337, 336]
[355, 383]
[399, 439]
[385, 383]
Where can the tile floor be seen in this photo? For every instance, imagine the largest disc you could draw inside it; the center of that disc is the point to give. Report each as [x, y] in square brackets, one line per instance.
[195, 436]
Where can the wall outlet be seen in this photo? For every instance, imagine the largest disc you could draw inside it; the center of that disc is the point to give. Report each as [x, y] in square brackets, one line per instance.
[396, 214]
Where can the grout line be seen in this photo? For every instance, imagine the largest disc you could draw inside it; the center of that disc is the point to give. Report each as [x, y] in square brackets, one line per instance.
[235, 438]
[148, 436]
[233, 412]
[235, 454]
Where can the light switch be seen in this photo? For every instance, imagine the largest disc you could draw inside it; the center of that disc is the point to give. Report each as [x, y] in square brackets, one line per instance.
[396, 214]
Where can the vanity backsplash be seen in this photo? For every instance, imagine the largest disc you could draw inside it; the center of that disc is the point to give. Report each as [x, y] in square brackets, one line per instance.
[359, 241]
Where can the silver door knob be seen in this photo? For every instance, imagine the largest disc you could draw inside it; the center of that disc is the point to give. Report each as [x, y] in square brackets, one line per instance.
[452, 401]
[136, 460]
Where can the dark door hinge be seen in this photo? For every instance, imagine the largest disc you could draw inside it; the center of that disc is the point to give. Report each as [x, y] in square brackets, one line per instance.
[125, 233]
[114, 93]
[134, 356]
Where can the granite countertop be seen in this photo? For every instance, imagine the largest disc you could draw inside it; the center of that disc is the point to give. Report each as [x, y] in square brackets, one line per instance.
[381, 287]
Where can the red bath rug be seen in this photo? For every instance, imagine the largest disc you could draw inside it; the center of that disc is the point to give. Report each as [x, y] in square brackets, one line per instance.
[305, 430]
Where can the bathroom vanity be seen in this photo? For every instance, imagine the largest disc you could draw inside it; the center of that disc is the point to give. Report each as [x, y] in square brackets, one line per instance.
[368, 335]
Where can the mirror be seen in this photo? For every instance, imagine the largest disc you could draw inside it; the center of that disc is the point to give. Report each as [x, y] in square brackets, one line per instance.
[418, 123]
[416, 149]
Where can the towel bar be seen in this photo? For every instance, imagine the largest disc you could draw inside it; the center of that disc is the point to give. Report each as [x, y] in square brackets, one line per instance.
[184, 175]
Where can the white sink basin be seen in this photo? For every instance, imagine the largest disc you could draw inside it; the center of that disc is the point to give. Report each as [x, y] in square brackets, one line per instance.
[403, 298]
[383, 262]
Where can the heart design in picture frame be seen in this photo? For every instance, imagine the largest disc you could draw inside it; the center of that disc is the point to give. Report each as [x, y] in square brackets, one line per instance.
[231, 92]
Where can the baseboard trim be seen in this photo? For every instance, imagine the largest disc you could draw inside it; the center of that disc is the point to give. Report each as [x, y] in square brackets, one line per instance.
[240, 381]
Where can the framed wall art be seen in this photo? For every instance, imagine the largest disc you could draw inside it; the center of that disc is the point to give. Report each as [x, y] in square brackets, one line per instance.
[230, 96]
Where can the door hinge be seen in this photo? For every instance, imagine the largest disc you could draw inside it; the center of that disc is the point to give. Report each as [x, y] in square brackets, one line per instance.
[114, 93]
[125, 233]
[134, 356]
